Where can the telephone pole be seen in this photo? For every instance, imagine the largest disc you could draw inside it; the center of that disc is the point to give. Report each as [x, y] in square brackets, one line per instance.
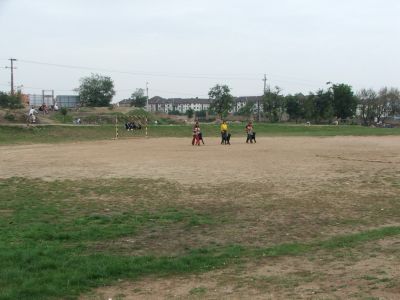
[147, 96]
[265, 83]
[258, 104]
[12, 74]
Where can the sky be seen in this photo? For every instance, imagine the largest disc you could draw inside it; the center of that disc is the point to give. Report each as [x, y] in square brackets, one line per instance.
[182, 48]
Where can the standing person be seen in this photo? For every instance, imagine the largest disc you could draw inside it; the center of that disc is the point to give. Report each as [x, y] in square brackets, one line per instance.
[197, 133]
[224, 133]
[194, 132]
[249, 131]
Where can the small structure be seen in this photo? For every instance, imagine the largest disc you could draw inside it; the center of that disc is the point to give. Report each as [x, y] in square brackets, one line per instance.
[69, 101]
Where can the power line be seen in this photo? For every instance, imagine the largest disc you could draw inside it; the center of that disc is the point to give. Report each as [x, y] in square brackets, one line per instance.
[137, 73]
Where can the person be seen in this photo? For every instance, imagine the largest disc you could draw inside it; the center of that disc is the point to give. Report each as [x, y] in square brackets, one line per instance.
[249, 131]
[31, 114]
[197, 133]
[55, 106]
[194, 132]
[225, 136]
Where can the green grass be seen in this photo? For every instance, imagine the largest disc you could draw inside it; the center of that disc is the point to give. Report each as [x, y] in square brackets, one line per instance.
[48, 233]
[56, 134]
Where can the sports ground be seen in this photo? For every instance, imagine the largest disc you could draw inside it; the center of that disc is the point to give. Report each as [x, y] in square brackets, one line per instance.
[287, 217]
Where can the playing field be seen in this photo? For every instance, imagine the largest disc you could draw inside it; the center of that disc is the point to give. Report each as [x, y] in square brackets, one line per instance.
[310, 217]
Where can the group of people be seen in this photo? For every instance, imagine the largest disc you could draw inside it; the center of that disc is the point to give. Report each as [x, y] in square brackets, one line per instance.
[197, 136]
[132, 125]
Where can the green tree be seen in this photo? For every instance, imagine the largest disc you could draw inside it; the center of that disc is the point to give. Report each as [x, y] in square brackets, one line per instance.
[11, 101]
[64, 112]
[274, 104]
[96, 90]
[295, 106]
[323, 106]
[138, 99]
[190, 113]
[247, 110]
[221, 100]
[344, 101]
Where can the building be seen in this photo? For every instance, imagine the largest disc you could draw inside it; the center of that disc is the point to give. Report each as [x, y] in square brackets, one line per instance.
[159, 104]
[69, 101]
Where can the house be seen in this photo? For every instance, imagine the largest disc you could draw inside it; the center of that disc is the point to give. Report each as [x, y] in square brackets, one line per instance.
[125, 103]
[159, 104]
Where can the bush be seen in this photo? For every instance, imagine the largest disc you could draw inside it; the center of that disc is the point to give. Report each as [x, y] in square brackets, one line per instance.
[11, 101]
[174, 112]
[10, 117]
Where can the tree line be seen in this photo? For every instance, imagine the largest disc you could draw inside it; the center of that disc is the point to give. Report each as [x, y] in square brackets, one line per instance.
[338, 102]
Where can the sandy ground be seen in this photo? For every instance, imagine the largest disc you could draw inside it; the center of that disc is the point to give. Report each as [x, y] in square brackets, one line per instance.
[288, 164]
[280, 160]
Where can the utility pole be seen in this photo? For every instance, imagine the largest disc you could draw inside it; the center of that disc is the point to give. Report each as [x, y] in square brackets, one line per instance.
[147, 96]
[265, 86]
[12, 74]
[265, 83]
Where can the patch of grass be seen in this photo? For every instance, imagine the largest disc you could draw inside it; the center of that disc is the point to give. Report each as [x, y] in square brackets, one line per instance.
[48, 230]
[198, 291]
[56, 134]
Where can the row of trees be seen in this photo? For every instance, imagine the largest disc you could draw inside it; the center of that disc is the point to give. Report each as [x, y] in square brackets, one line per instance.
[376, 105]
[337, 102]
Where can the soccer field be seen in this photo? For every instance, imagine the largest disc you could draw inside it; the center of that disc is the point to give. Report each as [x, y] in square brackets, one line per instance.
[287, 217]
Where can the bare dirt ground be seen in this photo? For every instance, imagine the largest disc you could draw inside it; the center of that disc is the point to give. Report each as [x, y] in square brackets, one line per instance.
[279, 190]
[271, 160]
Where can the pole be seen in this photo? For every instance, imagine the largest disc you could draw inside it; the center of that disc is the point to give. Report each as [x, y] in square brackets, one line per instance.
[116, 127]
[146, 128]
[147, 96]
[258, 104]
[12, 74]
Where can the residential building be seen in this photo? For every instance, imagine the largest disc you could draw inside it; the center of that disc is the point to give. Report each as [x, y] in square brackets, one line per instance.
[159, 104]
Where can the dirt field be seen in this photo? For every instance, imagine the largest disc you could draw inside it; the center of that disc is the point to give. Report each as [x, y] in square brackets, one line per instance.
[315, 188]
[272, 160]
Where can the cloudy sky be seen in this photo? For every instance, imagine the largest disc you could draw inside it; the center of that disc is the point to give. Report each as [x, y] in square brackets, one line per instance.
[184, 47]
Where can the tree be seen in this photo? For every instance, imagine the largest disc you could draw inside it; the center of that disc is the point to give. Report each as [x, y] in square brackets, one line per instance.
[190, 113]
[64, 112]
[394, 101]
[274, 104]
[367, 100]
[11, 101]
[221, 100]
[323, 106]
[138, 99]
[295, 106]
[96, 90]
[344, 101]
[247, 110]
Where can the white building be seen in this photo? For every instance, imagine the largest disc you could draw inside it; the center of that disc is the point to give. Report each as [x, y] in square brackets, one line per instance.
[159, 104]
